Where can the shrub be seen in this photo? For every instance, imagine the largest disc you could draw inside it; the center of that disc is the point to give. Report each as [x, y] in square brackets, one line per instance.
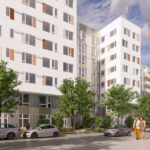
[87, 122]
[129, 122]
[107, 122]
[58, 121]
[42, 120]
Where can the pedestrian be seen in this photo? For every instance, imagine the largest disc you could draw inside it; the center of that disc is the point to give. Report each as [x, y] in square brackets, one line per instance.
[142, 127]
[136, 127]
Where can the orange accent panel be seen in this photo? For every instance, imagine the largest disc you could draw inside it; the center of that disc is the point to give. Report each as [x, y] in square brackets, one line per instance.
[44, 7]
[44, 44]
[34, 22]
[108, 83]
[12, 16]
[72, 20]
[129, 57]
[138, 60]
[44, 80]
[11, 54]
[72, 52]
[34, 59]
[128, 81]
[108, 47]
[23, 1]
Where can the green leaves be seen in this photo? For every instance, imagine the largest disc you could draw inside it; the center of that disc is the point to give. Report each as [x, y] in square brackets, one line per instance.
[8, 92]
[118, 99]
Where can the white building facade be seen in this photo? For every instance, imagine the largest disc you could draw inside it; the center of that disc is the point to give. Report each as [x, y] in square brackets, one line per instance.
[145, 79]
[38, 40]
[120, 55]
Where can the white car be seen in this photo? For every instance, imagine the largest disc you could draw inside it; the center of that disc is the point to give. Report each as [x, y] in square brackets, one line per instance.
[45, 130]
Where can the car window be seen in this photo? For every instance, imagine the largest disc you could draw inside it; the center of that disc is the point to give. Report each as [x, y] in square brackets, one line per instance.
[50, 126]
[44, 127]
[3, 126]
[10, 126]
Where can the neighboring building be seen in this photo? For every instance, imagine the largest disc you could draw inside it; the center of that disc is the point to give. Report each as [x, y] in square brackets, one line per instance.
[120, 55]
[88, 53]
[38, 40]
[145, 79]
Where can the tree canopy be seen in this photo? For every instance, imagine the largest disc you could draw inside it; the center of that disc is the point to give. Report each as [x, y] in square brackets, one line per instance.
[76, 100]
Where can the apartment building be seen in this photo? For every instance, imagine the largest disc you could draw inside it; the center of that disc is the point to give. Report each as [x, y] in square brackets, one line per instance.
[88, 55]
[120, 55]
[38, 40]
[145, 79]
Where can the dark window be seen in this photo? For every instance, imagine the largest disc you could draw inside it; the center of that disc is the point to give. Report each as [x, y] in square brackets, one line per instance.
[32, 78]
[46, 26]
[49, 81]
[46, 62]
[11, 33]
[28, 20]
[49, 10]
[42, 101]
[29, 58]
[49, 45]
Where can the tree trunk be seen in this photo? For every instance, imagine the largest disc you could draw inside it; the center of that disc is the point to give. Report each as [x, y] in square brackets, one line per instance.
[118, 120]
[73, 124]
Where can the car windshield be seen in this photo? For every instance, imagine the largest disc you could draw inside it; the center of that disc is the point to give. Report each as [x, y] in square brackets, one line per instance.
[36, 127]
[114, 127]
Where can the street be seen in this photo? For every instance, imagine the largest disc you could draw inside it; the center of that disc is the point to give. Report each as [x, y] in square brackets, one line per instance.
[78, 142]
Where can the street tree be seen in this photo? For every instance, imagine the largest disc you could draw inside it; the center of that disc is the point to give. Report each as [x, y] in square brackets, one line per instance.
[118, 99]
[8, 92]
[143, 108]
[76, 100]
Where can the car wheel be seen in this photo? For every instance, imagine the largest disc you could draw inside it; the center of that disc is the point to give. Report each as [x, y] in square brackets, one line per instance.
[55, 134]
[117, 134]
[10, 136]
[34, 135]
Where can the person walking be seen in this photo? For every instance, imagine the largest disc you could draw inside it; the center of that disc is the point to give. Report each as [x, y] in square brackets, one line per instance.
[136, 127]
[142, 127]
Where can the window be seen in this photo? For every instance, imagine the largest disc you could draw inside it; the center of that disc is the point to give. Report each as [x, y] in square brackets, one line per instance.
[10, 12]
[56, 12]
[10, 53]
[112, 33]
[0, 30]
[102, 73]
[125, 68]
[49, 81]
[68, 18]
[83, 47]
[12, 33]
[47, 45]
[68, 67]
[133, 58]
[69, 3]
[68, 51]
[42, 101]
[24, 119]
[82, 59]
[134, 82]
[56, 82]
[29, 20]
[103, 39]
[83, 35]
[113, 69]
[125, 43]
[111, 82]
[102, 50]
[29, 39]
[112, 57]
[82, 71]
[30, 78]
[134, 35]
[135, 71]
[103, 62]
[25, 100]
[126, 31]
[48, 9]
[46, 62]
[27, 58]
[30, 3]
[112, 45]
[56, 47]
[127, 56]
[137, 48]
[127, 81]
[68, 35]
[49, 27]
[55, 64]
[102, 84]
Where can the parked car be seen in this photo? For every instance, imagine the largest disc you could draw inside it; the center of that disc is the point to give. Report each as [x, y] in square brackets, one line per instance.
[8, 131]
[147, 129]
[45, 130]
[121, 130]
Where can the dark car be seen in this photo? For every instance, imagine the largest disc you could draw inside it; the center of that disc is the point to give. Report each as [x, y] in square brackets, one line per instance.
[9, 131]
[121, 130]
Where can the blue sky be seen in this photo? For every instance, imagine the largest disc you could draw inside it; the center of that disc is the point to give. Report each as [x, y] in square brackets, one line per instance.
[98, 13]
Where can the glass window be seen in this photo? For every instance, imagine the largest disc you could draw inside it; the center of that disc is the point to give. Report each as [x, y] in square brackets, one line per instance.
[0, 30]
[42, 101]
[49, 45]
[46, 26]
[29, 58]
[46, 62]
[28, 20]
[49, 81]
[12, 33]
[49, 10]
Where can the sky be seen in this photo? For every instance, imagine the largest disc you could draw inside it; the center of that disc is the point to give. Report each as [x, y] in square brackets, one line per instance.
[98, 13]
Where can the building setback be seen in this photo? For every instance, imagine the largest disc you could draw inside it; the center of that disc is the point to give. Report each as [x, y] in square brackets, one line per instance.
[38, 40]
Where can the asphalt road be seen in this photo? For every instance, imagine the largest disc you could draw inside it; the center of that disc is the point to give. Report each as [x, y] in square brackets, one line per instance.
[78, 142]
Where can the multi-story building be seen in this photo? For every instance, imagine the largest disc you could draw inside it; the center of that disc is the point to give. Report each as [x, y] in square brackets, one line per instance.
[88, 52]
[145, 79]
[120, 55]
[38, 40]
